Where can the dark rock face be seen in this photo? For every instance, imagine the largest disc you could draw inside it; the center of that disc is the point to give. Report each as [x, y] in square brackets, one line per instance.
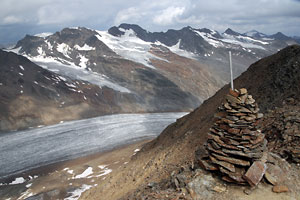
[231, 32]
[280, 36]
[31, 95]
[276, 78]
[29, 44]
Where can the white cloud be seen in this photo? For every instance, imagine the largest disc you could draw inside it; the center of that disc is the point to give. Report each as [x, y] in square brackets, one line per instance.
[169, 15]
[11, 20]
[130, 14]
[268, 16]
[54, 14]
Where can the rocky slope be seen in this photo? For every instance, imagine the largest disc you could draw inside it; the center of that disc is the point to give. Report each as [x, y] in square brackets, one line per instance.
[270, 81]
[32, 96]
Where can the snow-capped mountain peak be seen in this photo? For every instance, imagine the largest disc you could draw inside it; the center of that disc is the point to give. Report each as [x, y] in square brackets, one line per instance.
[43, 35]
[255, 34]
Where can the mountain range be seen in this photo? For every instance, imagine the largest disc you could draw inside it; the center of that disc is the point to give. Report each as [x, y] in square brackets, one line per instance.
[124, 69]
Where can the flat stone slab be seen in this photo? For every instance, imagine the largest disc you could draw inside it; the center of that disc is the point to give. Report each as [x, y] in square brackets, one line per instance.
[232, 160]
[255, 173]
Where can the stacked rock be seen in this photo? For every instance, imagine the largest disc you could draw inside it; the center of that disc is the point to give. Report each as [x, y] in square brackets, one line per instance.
[235, 146]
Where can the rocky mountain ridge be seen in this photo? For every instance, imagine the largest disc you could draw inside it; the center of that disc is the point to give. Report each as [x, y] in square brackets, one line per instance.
[72, 46]
[147, 72]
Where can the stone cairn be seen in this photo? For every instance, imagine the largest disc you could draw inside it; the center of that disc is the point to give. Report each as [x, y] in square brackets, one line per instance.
[235, 147]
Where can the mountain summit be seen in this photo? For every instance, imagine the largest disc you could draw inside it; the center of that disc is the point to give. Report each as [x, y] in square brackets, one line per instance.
[229, 31]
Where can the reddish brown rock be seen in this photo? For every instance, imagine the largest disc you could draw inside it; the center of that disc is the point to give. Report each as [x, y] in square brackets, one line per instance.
[210, 148]
[259, 139]
[227, 121]
[237, 176]
[224, 127]
[220, 114]
[240, 114]
[280, 188]
[234, 93]
[228, 179]
[234, 130]
[226, 165]
[232, 160]
[208, 165]
[233, 99]
[255, 173]
[274, 174]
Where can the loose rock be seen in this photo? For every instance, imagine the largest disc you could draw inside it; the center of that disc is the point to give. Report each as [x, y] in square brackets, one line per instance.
[255, 173]
[280, 188]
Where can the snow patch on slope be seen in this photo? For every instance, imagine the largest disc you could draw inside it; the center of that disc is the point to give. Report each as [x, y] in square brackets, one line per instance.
[18, 180]
[176, 49]
[77, 193]
[50, 47]
[64, 49]
[43, 35]
[83, 61]
[244, 42]
[14, 50]
[85, 47]
[249, 39]
[85, 174]
[129, 46]
[76, 72]
[210, 39]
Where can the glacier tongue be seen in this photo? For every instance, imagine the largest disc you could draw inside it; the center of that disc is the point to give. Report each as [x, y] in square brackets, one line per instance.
[85, 75]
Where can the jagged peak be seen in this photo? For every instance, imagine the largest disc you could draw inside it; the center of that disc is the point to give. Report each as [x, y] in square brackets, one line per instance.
[229, 31]
[280, 36]
[255, 34]
[136, 28]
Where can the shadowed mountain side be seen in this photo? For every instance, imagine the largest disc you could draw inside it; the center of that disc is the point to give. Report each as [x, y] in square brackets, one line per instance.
[190, 75]
[269, 80]
[32, 96]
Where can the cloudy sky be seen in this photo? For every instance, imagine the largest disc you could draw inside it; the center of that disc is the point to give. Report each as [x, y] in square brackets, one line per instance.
[20, 17]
